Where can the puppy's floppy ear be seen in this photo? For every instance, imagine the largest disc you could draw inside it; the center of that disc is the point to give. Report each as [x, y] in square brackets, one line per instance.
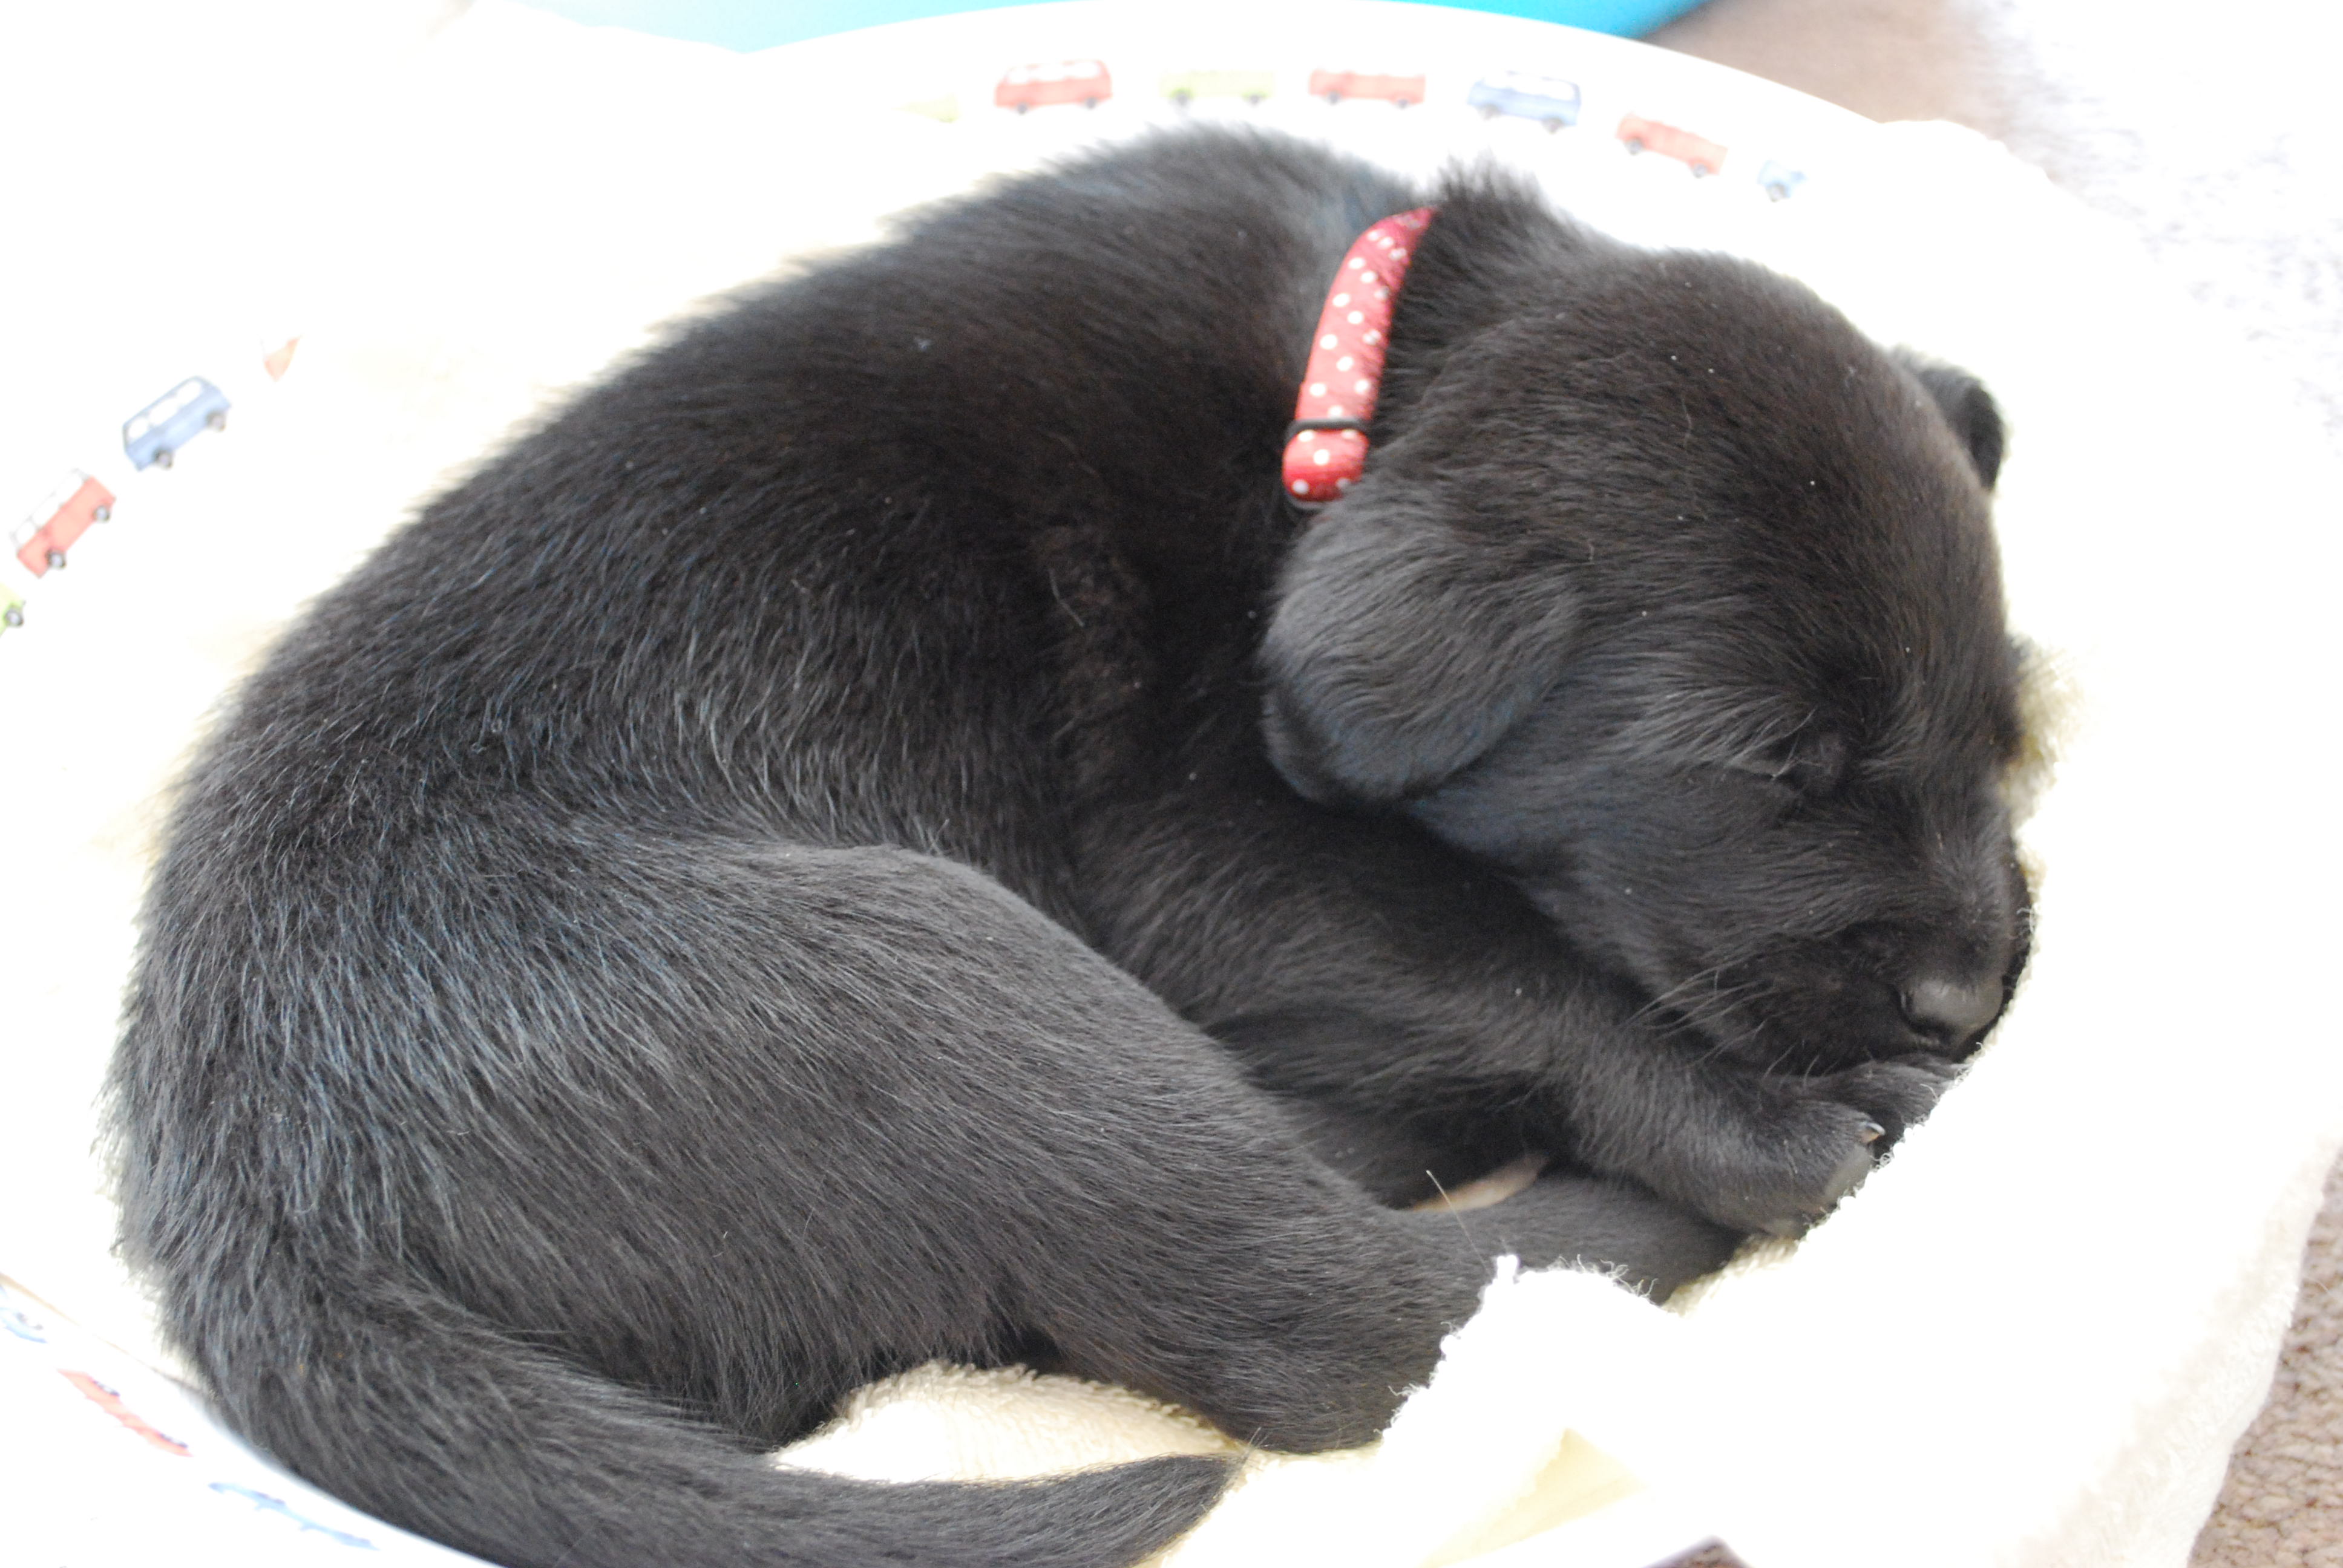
[1402, 649]
[1974, 417]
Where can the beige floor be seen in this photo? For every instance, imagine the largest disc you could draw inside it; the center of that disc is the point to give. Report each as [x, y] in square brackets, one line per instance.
[2121, 105]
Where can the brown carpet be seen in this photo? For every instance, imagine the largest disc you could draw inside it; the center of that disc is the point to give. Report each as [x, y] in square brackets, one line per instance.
[2283, 1506]
[2090, 90]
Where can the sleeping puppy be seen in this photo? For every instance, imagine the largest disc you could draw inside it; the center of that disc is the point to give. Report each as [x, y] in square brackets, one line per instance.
[879, 834]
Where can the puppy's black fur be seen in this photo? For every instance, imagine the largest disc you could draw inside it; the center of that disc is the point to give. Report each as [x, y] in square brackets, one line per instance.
[876, 835]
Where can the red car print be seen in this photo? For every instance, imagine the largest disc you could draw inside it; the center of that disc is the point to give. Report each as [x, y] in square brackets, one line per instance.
[1083, 82]
[108, 1401]
[1336, 86]
[50, 531]
[1704, 156]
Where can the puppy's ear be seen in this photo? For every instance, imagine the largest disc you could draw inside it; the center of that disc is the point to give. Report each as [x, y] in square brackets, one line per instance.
[1974, 417]
[1402, 649]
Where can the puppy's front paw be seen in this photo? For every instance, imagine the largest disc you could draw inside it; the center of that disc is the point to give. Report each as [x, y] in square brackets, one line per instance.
[1895, 1093]
[1819, 1138]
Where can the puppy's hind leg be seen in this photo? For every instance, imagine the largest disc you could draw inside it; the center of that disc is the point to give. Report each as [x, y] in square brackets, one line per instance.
[1140, 1208]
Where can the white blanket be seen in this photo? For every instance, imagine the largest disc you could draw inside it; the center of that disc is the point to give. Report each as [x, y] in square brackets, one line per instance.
[2028, 1340]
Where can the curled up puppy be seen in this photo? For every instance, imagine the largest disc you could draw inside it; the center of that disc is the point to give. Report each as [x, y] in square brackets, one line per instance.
[918, 820]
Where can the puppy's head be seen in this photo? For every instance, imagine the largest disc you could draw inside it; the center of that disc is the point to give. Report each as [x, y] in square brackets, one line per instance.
[1674, 597]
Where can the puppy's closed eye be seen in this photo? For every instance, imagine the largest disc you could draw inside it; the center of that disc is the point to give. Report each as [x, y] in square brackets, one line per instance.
[1812, 765]
[1816, 764]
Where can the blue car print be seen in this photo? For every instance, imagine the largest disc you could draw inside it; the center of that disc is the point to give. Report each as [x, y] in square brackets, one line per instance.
[1779, 179]
[268, 1504]
[1549, 100]
[153, 434]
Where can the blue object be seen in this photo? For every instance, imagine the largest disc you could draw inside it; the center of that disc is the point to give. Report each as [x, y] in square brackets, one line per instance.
[1549, 100]
[172, 420]
[268, 1504]
[1779, 179]
[761, 24]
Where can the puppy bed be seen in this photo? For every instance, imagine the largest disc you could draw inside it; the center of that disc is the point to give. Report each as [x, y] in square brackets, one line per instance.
[2030, 1338]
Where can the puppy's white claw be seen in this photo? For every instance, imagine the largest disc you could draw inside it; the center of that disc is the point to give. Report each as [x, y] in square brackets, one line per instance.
[1871, 1133]
[1850, 1171]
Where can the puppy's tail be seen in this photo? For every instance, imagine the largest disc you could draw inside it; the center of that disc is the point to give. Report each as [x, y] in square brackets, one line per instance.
[410, 1407]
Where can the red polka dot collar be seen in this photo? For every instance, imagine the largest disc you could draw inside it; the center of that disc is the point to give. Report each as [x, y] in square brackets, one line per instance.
[1326, 445]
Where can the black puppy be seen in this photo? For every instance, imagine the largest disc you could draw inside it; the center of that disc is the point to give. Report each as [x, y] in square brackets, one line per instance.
[784, 874]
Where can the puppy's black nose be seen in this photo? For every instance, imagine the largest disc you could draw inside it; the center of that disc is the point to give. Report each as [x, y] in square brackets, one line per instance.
[1953, 1009]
